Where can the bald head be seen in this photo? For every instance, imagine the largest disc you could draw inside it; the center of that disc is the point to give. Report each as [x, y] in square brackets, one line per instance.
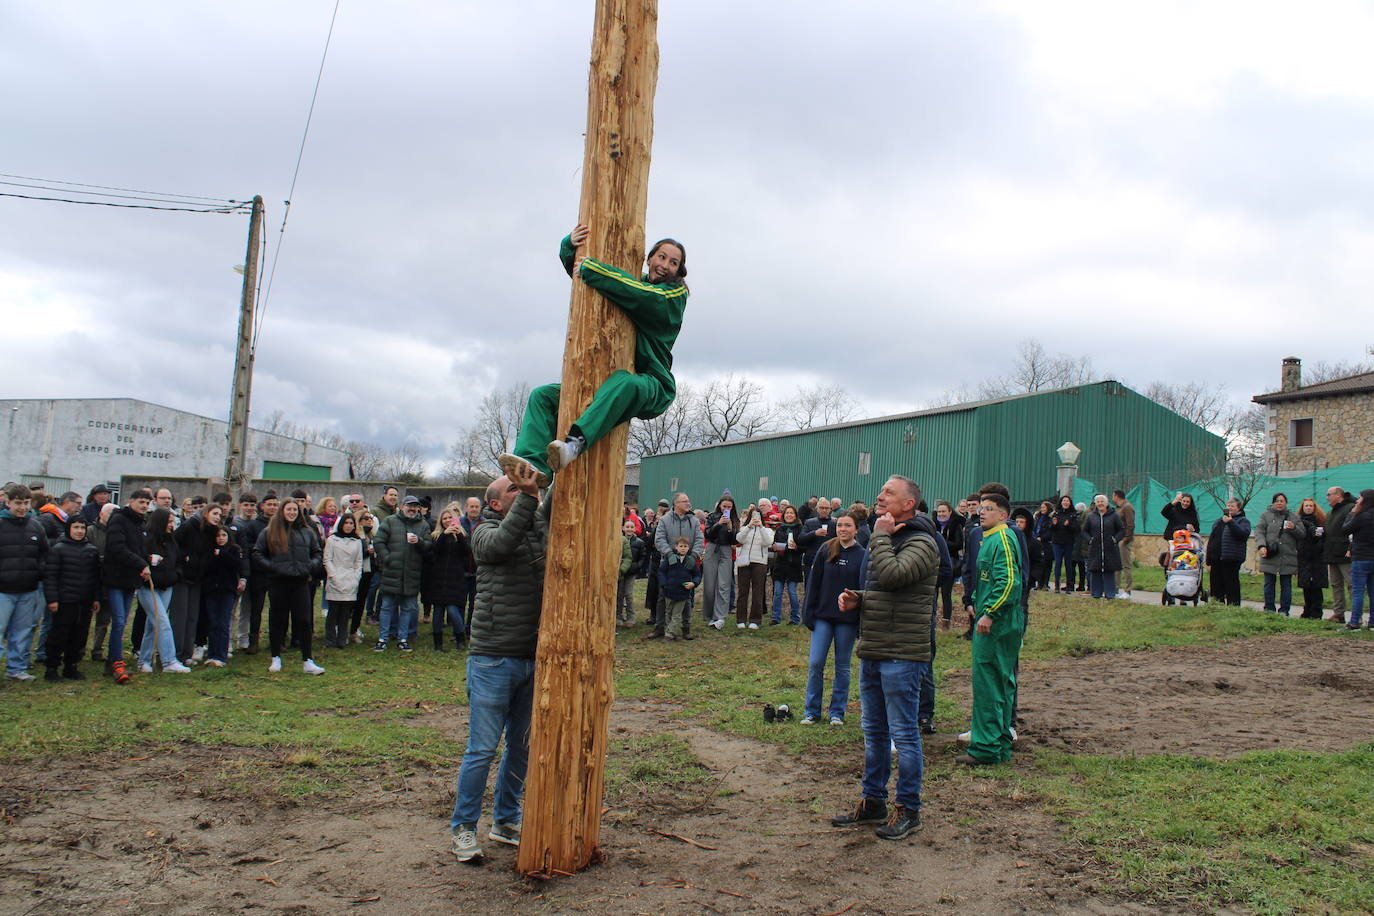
[501, 494]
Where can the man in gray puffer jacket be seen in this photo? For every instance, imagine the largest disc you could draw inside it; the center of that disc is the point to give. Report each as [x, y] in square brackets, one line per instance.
[509, 547]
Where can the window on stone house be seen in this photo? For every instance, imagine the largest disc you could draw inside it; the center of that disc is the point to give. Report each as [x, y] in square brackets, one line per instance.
[1300, 433]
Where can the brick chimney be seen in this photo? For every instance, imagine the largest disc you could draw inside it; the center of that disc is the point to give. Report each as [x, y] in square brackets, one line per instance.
[1292, 374]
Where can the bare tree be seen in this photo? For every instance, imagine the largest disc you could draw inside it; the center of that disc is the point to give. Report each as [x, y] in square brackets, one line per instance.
[1323, 371]
[676, 429]
[465, 465]
[366, 459]
[733, 408]
[405, 463]
[1207, 406]
[820, 405]
[1036, 369]
[498, 421]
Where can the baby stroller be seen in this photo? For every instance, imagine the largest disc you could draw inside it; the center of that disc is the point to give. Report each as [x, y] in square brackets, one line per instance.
[1183, 569]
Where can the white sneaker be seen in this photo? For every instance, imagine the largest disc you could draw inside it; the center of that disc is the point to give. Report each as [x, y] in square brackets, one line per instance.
[807, 720]
[465, 845]
[214, 663]
[275, 666]
[739, 626]
[718, 624]
[311, 668]
[145, 668]
[22, 677]
[836, 720]
[198, 654]
[176, 668]
[753, 626]
[561, 453]
[966, 737]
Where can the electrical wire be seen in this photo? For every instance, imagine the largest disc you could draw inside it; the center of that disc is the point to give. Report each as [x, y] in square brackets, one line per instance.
[143, 197]
[291, 193]
[103, 187]
[233, 208]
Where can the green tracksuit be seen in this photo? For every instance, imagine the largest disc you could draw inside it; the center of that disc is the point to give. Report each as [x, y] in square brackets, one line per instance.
[656, 312]
[998, 595]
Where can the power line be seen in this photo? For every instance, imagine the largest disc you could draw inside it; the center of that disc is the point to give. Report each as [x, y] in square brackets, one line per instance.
[77, 184]
[228, 208]
[143, 197]
[290, 194]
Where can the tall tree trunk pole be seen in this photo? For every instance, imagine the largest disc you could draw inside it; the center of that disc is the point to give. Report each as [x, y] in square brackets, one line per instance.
[574, 664]
[236, 460]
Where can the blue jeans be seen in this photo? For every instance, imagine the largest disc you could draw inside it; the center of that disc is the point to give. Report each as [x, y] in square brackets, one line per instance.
[925, 708]
[1285, 591]
[1063, 558]
[219, 608]
[373, 585]
[1102, 584]
[40, 654]
[400, 616]
[794, 605]
[843, 636]
[500, 693]
[157, 632]
[1361, 589]
[121, 602]
[452, 614]
[890, 690]
[18, 616]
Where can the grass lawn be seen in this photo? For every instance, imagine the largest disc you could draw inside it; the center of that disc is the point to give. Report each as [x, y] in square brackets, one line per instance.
[1268, 832]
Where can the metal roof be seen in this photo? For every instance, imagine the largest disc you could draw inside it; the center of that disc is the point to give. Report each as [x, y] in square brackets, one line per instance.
[929, 412]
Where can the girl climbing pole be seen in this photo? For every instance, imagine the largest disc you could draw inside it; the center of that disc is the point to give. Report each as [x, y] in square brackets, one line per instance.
[655, 303]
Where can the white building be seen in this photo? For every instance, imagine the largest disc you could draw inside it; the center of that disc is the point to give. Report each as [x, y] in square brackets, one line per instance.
[76, 443]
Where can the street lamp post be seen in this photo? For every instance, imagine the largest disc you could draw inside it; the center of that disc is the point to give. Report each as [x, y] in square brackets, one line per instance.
[1067, 471]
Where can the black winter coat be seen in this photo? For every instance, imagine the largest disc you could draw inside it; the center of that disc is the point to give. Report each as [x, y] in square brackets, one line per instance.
[301, 560]
[1336, 543]
[1360, 528]
[1311, 562]
[1229, 541]
[448, 573]
[787, 564]
[222, 568]
[72, 575]
[720, 531]
[125, 554]
[195, 543]
[1104, 533]
[1177, 517]
[1064, 527]
[168, 570]
[23, 552]
[639, 557]
[674, 573]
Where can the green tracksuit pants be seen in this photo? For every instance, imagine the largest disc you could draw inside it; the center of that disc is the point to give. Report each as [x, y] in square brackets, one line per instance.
[620, 398]
[994, 684]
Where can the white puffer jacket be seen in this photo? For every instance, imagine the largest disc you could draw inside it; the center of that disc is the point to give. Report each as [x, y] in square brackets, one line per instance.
[755, 542]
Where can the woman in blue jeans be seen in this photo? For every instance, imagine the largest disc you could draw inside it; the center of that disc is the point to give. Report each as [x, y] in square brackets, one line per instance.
[1359, 527]
[1063, 539]
[839, 565]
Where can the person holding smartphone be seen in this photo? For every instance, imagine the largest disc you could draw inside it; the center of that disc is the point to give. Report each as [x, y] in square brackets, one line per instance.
[718, 567]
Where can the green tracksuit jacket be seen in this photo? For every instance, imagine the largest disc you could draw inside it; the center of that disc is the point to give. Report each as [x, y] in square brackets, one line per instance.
[655, 310]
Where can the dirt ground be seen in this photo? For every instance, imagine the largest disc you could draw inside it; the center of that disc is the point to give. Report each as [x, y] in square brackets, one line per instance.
[176, 833]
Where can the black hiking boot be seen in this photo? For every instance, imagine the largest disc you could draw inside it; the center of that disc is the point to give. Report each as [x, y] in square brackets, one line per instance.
[438, 642]
[902, 822]
[867, 811]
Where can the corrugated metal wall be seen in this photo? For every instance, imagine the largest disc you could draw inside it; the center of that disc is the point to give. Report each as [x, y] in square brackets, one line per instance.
[1124, 436]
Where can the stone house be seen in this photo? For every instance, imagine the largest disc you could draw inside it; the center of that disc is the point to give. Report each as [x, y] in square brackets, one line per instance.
[1310, 427]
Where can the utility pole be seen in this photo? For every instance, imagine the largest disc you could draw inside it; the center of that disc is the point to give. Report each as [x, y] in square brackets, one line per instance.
[236, 464]
[574, 663]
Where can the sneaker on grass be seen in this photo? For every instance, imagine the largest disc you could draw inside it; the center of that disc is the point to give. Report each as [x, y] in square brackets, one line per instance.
[807, 720]
[836, 720]
[505, 832]
[176, 668]
[404, 646]
[275, 666]
[23, 677]
[380, 647]
[311, 668]
[465, 842]
[145, 668]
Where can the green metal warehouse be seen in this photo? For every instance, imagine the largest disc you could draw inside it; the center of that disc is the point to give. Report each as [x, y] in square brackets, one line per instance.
[1124, 436]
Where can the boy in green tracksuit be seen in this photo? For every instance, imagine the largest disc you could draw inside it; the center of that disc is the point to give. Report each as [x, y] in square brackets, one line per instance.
[997, 636]
[654, 303]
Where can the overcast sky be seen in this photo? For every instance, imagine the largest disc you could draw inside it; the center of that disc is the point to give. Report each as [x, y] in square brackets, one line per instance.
[882, 195]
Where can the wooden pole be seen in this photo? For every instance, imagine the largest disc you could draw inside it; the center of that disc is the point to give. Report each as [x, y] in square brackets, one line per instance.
[236, 461]
[574, 664]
